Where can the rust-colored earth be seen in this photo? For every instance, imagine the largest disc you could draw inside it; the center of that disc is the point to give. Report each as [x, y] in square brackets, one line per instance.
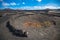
[36, 24]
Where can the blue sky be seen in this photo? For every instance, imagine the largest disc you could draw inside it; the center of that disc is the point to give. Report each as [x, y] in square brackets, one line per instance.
[30, 4]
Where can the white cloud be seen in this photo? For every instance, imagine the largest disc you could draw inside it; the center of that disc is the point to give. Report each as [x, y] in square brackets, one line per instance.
[39, 0]
[5, 4]
[1, 0]
[10, 4]
[58, 7]
[23, 3]
[50, 7]
[31, 7]
[39, 7]
[13, 3]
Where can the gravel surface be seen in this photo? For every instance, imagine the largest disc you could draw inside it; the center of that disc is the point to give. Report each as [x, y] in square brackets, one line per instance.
[43, 33]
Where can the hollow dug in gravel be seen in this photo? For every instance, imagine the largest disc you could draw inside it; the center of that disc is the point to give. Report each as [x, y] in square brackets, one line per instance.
[36, 26]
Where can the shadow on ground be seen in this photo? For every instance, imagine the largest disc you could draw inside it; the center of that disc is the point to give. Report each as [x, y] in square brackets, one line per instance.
[18, 33]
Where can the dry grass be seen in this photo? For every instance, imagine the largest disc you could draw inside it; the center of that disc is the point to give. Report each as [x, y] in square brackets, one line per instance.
[37, 24]
[32, 24]
[47, 23]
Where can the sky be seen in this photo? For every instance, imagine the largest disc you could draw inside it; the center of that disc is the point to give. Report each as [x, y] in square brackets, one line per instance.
[30, 4]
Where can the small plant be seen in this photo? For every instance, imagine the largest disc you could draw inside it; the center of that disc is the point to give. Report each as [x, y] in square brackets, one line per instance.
[47, 23]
